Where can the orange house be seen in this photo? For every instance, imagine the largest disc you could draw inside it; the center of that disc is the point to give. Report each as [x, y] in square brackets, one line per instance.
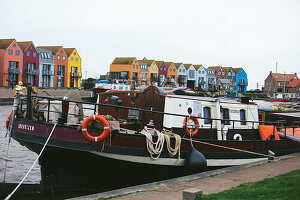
[172, 73]
[60, 65]
[125, 69]
[11, 62]
[152, 76]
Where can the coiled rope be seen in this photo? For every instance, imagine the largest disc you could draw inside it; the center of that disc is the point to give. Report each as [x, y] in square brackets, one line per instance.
[154, 148]
[10, 195]
[172, 151]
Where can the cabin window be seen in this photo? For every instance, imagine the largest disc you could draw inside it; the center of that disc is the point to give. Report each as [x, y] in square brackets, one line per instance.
[243, 117]
[207, 114]
[225, 114]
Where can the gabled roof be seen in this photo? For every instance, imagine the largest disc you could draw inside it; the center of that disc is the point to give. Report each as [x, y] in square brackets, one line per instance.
[54, 49]
[177, 65]
[24, 45]
[168, 64]
[159, 63]
[226, 69]
[187, 66]
[148, 62]
[69, 51]
[215, 67]
[4, 43]
[197, 67]
[236, 70]
[284, 77]
[124, 60]
[294, 83]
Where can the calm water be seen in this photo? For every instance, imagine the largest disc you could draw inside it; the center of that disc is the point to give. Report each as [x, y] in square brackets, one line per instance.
[20, 158]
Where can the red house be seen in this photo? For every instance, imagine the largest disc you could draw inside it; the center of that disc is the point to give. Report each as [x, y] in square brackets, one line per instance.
[162, 73]
[11, 58]
[220, 72]
[30, 63]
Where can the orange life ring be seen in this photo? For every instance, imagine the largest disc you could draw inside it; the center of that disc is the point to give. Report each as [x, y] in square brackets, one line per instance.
[85, 123]
[196, 123]
[8, 119]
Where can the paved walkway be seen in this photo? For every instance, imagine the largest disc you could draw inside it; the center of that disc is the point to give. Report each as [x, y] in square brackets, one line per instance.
[227, 178]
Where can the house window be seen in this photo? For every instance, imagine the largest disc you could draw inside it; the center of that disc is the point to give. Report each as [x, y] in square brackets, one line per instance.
[229, 74]
[76, 59]
[17, 52]
[174, 70]
[239, 74]
[192, 73]
[10, 51]
[202, 72]
[155, 68]
[183, 70]
[137, 66]
[243, 74]
[161, 69]
[243, 117]
[207, 115]
[164, 69]
[133, 66]
[34, 54]
[170, 69]
[74, 53]
[179, 70]
[223, 73]
[72, 58]
[219, 73]
[28, 53]
[64, 57]
[225, 113]
[58, 57]
[14, 45]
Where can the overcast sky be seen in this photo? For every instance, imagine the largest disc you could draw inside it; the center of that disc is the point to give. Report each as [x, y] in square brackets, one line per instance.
[237, 33]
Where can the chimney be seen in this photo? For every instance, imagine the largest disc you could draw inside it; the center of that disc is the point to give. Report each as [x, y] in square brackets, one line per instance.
[296, 74]
[270, 72]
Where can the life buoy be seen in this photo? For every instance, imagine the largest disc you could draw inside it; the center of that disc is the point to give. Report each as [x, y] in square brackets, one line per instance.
[237, 137]
[8, 119]
[196, 124]
[104, 133]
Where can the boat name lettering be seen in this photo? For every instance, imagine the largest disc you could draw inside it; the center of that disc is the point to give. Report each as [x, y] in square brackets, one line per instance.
[26, 127]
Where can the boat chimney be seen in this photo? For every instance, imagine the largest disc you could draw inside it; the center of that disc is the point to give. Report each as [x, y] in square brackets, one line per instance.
[150, 124]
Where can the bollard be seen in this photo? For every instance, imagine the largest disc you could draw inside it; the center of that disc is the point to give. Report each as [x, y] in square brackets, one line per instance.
[190, 194]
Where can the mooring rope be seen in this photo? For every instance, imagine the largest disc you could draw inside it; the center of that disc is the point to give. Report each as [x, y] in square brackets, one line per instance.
[172, 151]
[10, 195]
[154, 148]
[230, 148]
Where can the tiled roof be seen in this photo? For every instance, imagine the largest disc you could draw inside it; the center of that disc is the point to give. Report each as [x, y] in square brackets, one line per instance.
[148, 62]
[236, 70]
[69, 51]
[159, 63]
[24, 45]
[187, 66]
[226, 69]
[168, 64]
[294, 83]
[215, 67]
[197, 67]
[284, 77]
[4, 43]
[124, 60]
[177, 65]
[54, 49]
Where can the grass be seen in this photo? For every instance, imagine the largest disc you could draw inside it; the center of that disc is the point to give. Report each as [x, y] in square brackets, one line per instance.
[282, 187]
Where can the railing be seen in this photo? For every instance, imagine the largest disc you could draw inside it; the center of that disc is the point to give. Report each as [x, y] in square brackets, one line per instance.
[14, 70]
[75, 74]
[32, 72]
[47, 73]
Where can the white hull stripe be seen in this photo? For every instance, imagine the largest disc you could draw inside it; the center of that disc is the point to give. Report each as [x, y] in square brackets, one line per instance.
[95, 139]
[84, 129]
[94, 116]
[106, 127]
[175, 162]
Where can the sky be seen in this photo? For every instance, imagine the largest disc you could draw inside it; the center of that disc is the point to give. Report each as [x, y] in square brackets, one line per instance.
[252, 34]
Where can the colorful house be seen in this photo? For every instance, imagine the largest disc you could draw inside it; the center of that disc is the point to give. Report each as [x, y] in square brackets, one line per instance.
[241, 80]
[230, 75]
[125, 69]
[192, 76]
[153, 71]
[11, 62]
[61, 64]
[162, 73]
[30, 63]
[181, 75]
[277, 82]
[46, 68]
[211, 79]
[144, 74]
[201, 77]
[171, 73]
[74, 68]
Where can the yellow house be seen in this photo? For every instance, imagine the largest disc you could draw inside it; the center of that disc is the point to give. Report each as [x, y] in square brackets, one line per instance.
[74, 68]
[126, 69]
[152, 71]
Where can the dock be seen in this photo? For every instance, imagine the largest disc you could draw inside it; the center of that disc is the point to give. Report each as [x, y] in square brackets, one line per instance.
[206, 182]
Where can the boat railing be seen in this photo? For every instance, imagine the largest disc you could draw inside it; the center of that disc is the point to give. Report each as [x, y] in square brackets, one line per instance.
[92, 107]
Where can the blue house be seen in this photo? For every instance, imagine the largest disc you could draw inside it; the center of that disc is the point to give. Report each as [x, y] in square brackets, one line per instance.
[241, 80]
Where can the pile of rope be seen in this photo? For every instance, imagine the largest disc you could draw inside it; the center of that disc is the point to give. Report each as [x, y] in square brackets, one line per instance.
[154, 148]
[172, 151]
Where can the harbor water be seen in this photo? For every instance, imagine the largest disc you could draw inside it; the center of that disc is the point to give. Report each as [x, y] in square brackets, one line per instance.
[19, 158]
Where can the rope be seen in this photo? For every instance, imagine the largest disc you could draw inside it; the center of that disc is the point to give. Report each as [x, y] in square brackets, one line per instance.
[10, 195]
[154, 148]
[172, 151]
[230, 148]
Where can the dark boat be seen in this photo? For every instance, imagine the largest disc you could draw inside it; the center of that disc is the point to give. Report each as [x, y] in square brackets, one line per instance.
[71, 160]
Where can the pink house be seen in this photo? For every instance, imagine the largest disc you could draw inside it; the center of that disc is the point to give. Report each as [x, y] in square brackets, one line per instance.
[30, 63]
